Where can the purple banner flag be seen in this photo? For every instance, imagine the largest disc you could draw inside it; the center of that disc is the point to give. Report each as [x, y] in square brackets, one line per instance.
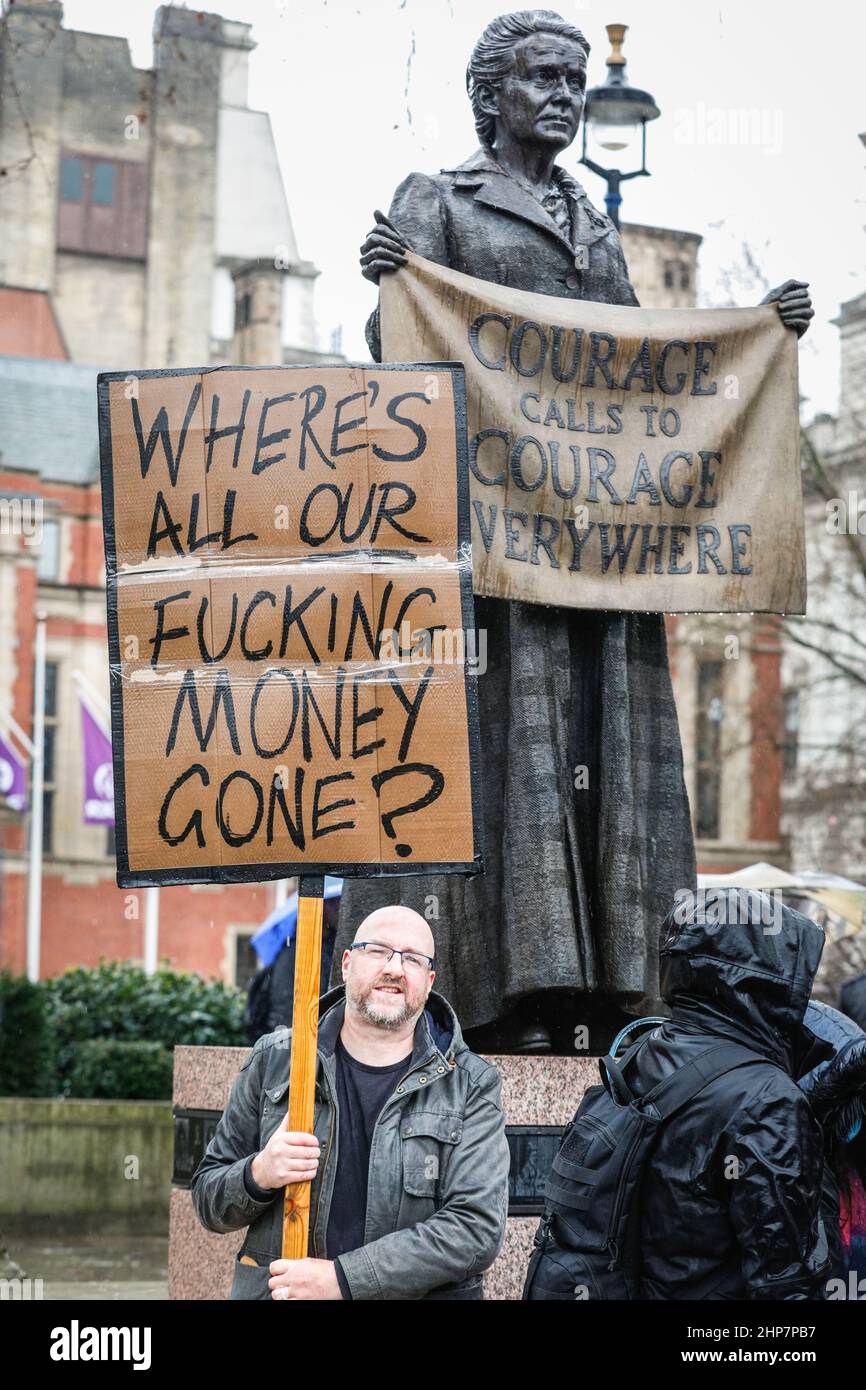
[13, 779]
[98, 773]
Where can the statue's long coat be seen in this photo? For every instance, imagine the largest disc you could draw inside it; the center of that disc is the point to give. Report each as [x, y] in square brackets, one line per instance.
[576, 881]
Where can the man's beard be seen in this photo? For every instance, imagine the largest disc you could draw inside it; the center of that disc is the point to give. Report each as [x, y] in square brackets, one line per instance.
[381, 1015]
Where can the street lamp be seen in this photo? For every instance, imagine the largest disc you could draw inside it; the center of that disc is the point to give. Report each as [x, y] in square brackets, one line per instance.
[615, 110]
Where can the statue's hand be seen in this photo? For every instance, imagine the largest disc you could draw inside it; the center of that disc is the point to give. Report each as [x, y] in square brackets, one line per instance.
[384, 249]
[795, 305]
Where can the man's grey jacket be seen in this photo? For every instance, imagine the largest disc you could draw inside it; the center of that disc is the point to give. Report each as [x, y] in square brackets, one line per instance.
[437, 1190]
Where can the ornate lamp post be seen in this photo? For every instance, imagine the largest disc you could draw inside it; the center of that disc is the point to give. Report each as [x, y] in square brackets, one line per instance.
[615, 110]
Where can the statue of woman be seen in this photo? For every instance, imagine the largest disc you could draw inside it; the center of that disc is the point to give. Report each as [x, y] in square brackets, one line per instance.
[587, 833]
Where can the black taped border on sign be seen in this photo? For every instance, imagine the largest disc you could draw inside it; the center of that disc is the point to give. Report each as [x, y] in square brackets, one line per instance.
[260, 873]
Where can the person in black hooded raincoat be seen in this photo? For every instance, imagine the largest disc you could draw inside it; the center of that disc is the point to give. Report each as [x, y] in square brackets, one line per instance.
[731, 1204]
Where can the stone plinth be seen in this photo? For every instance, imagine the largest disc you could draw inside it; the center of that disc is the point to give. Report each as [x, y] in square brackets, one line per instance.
[535, 1091]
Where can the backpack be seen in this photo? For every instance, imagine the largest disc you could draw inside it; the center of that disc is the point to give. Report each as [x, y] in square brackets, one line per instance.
[258, 1006]
[587, 1245]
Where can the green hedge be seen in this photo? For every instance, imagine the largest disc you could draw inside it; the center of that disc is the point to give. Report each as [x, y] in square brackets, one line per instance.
[44, 1029]
[104, 1070]
[27, 1046]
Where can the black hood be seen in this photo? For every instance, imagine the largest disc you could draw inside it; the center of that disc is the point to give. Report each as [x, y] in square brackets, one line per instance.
[841, 1032]
[740, 964]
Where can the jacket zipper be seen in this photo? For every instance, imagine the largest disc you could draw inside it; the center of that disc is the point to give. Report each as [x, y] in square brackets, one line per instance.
[599, 1126]
[335, 1143]
[390, 1101]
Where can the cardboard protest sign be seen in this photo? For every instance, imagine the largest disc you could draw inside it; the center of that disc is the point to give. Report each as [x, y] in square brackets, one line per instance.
[620, 458]
[289, 588]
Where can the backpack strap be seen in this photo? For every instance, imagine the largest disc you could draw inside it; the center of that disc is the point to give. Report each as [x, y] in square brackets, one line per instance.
[613, 1080]
[675, 1091]
[685, 1083]
[647, 1021]
[612, 1072]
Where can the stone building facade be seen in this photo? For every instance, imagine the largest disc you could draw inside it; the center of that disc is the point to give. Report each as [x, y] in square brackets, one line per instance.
[825, 655]
[662, 265]
[148, 203]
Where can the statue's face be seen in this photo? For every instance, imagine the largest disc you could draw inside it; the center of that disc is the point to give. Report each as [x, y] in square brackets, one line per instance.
[541, 100]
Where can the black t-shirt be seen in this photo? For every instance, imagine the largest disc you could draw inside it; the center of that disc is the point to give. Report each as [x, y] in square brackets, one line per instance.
[361, 1092]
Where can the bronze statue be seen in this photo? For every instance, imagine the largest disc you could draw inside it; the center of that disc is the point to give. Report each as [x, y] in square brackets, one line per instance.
[562, 927]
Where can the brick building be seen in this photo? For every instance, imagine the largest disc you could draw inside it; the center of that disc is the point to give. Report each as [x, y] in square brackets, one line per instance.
[143, 223]
[726, 669]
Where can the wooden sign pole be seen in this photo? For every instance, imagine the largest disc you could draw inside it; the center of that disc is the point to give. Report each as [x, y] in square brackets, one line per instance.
[302, 1071]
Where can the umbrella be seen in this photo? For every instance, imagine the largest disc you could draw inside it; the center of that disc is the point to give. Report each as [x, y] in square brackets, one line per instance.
[277, 929]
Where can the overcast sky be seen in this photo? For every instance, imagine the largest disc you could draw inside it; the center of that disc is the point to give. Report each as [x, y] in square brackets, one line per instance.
[360, 92]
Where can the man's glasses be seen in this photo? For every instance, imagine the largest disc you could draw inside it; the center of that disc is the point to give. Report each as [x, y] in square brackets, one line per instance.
[380, 955]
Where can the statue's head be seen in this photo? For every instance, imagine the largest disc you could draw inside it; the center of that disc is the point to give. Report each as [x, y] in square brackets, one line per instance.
[527, 76]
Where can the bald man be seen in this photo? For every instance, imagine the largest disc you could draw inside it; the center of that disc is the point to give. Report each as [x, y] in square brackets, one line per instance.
[408, 1157]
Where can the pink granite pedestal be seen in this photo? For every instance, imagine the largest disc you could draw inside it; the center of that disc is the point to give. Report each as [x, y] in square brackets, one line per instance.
[535, 1091]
